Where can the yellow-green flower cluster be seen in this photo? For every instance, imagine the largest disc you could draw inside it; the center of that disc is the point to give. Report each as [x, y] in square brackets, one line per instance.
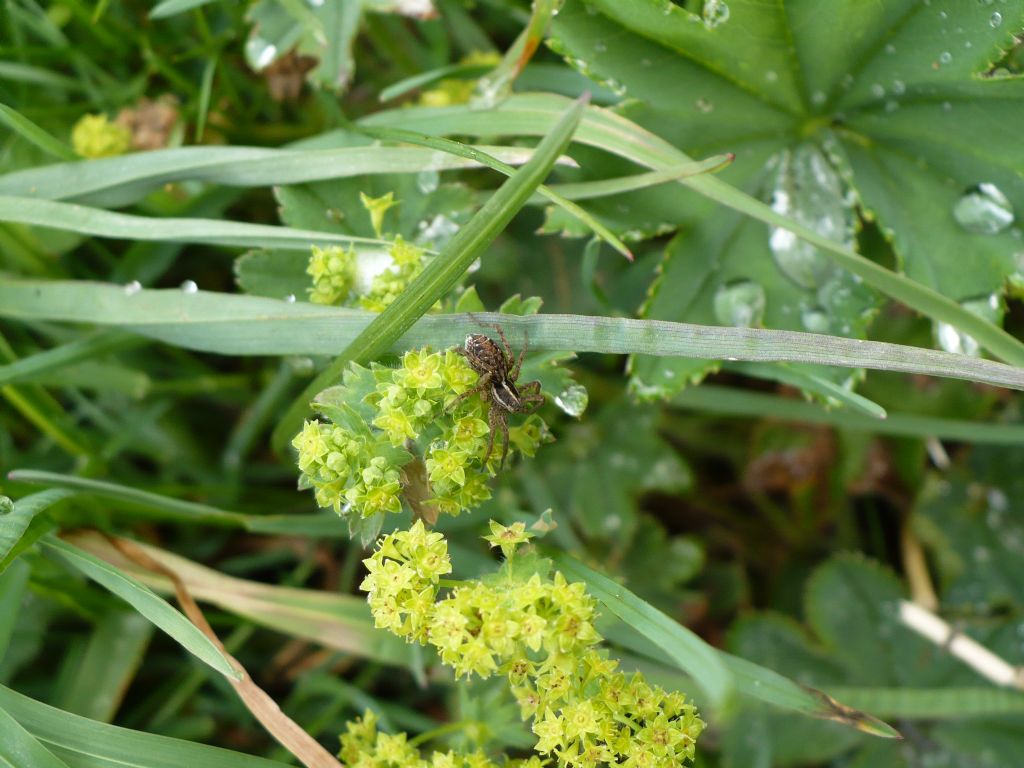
[346, 469]
[453, 90]
[350, 464]
[95, 136]
[539, 632]
[335, 274]
[363, 746]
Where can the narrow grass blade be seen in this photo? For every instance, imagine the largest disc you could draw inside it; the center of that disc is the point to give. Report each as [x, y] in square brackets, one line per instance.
[588, 190]
[533, 114]
[952, 703]
[96, 221]
[144, 601]
[683, 647]
[339, 622]
[442, 273]
[423, 79]
[127, 178]
[250, 325]
[20, 749]
[727, 401]
[35, 135]
[14, 524]
[66, 354]
[103, 673]
[809, 382]
[637, 635]
[471, 153]
[13, 585]
[98, 745]
[164, 507]
[168, 8]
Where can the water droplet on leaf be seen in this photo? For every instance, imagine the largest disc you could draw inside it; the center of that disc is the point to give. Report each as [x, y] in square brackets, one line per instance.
[952, 340]
[132, 288]
[715, 12]
[290, 298]
[189, 287]
[983, 210]
[995, 20]
[703, 105]
[806, 188]
[573, 400]
[878, 90]
[740, 304]
[945, 57]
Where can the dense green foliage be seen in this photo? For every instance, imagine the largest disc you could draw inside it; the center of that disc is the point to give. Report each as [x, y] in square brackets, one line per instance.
[767, 260]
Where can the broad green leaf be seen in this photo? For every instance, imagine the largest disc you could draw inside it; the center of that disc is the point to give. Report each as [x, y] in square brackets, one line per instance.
[339, 622]
[250, 325]
[325, 32]
[16, 520]
[144, 601]
[534, 114]
[20, 749]
[444, 271]
[84, 743]
[859, 648]
[884, 107]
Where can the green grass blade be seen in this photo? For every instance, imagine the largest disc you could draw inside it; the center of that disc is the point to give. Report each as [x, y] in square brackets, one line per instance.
[20, 749]
[96, 221]
[168, 8]
[66, 354]
[325, 525]
[812, 383]
[128, 178]
[13, 585]
[422, 79]
[35, 135]
[102, 675]
[251, 325]
[14, 524]
[98, 745]
[533, 114]
[443, 272]
[471, 153]
[934, 703]
[588, 190]
[145, 602]
[683, 647]
[727, 401]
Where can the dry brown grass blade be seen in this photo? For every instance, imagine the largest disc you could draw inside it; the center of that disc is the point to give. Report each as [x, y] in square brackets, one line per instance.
[285, 730]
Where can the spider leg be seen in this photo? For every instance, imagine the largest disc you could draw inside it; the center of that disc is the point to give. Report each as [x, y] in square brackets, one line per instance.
[514, 373]
[493, 419]
[482, 385]
[531, 403]
[503, 422]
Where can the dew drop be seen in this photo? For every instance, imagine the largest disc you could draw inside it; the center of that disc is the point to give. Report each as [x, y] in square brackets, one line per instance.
[890, 49]
[260, 52]
[815, 320]
[891, 105]
[806, 188]
[878, 90]
[132, 288]
[995, 20]
[818, 98]
[899, 87]
[740, 304]
[715, 12]
[290, 298]
[573, 400]
[703, 105]
[952, 340]
[945, 57]
[189, 287]
[771, 75]
[983, 210]
[428, 181]
[947, 106]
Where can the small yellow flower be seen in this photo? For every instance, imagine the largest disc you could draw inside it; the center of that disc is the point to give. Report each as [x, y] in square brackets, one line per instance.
[95, 136]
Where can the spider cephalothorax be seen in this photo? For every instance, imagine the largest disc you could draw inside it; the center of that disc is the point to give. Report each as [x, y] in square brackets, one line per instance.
[498, 370]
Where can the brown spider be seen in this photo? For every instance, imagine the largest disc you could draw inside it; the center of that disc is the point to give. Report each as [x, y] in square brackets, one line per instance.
[498, 370]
